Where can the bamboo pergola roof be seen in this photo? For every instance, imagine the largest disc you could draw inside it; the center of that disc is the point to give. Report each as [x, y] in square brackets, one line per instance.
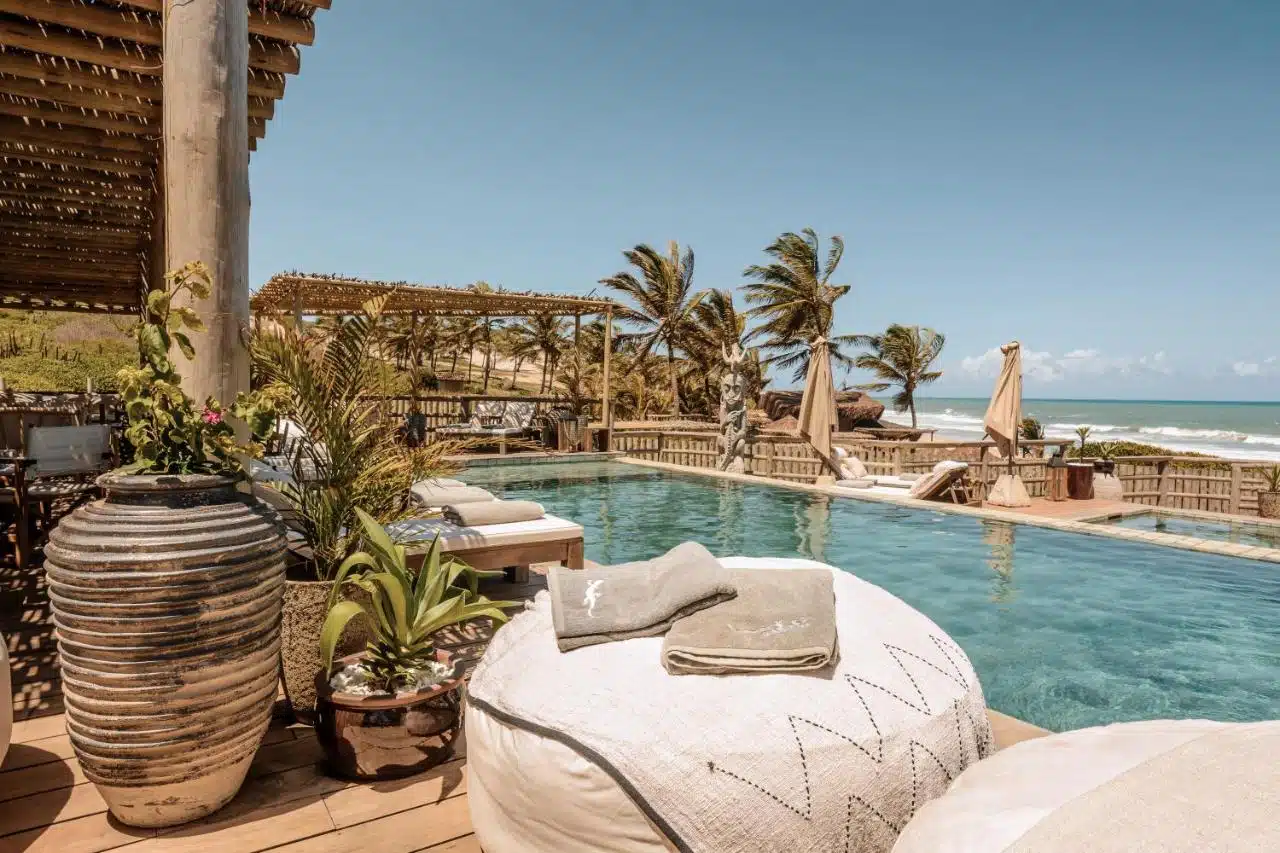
[80, 135]
[321, 295]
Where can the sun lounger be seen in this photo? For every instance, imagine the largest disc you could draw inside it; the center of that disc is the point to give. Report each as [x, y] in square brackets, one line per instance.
[497, 546]
[498, 420]
[945, 480]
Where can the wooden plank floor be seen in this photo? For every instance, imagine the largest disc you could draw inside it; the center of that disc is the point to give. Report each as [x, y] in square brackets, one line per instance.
[287, 803]
[1077, 510]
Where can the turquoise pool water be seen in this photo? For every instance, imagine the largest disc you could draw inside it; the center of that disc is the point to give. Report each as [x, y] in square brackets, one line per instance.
[1254, 535]
[1065, 630]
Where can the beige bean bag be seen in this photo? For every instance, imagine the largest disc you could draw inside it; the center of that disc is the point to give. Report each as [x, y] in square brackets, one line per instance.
[600, 749]
[1187, 786]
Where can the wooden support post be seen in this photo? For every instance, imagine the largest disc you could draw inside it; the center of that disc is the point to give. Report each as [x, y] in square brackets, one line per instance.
[897, 461]
[1162, 467]
[206, 175]
[606, 391]
[1237, 485]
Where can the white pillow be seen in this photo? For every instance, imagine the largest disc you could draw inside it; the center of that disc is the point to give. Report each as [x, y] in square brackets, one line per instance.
[853, 469]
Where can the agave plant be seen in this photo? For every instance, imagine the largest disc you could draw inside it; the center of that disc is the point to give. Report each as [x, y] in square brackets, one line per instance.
[1271, 476]
[405, 609]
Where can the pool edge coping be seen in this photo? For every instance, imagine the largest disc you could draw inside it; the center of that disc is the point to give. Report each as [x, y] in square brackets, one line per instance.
[1089, 528]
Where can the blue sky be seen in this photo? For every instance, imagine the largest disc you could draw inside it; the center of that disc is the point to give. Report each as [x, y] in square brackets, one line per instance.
[1098, 180]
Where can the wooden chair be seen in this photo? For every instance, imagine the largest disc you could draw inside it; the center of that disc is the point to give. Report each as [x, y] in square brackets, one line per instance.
[68, 460]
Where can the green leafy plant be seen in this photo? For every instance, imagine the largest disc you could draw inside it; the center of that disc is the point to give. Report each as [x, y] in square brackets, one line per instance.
[1083, 433]
[1108, 450]
[168, 432]
[1031, 429]
[404, 609]
[1271, 476]
[901, 357]
[347, 455]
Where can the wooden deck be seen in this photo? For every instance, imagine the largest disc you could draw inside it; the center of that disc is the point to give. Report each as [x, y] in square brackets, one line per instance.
[1077, 510]
[287, 804]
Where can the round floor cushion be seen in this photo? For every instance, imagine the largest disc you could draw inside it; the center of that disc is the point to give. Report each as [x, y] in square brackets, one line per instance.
[601, 749]
[1175, 786]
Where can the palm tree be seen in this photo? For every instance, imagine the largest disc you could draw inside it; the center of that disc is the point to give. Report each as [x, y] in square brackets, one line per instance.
[718, 326]
[901, 357]
[543, 334]
[796, 299]
[663, 302]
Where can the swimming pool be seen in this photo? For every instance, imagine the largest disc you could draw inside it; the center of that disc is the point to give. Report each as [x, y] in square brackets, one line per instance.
[1240, 533]
[1065, 630]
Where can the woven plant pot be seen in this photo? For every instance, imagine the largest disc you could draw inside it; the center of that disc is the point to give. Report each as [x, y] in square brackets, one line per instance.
[166, 600]
[305, 608]
[1269, 504]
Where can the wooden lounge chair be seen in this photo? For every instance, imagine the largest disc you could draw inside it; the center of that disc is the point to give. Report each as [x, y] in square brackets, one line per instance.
[499, 420]
[497, 546]
[947, 479]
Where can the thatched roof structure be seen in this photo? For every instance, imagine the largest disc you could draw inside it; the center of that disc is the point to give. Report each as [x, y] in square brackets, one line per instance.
[854, 408]
[80, 130]
[320, 295]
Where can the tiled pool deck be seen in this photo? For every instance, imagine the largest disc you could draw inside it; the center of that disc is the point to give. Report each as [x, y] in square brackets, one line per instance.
[1056, 516]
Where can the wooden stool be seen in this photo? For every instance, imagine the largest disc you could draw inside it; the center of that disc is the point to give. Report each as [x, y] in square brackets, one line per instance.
[1056, 485]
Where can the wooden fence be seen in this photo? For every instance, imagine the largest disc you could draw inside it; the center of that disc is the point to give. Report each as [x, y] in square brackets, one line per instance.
[1172, 482]
[442, 409]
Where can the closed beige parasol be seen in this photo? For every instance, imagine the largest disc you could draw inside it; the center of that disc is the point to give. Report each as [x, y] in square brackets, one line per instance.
[817, 415]
[1004, 415]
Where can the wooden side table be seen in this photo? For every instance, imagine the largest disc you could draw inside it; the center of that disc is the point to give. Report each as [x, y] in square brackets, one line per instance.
[1080, 481]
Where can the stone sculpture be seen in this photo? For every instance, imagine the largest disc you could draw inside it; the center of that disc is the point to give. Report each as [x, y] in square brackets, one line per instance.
[733, 411]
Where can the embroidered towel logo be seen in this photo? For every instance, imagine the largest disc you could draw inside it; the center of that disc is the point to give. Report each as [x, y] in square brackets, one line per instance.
[773, 629]
[592, 596]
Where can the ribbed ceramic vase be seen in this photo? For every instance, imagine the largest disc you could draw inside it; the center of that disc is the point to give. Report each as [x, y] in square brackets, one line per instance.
[166, 598]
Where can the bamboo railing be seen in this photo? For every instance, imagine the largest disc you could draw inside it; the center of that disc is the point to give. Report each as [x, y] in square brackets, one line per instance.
[442, 409]
[1173, 482]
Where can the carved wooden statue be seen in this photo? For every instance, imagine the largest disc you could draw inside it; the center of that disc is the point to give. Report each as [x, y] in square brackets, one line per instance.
[733, 411]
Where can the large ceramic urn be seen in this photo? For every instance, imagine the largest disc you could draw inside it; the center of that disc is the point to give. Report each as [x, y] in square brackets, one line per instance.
[166, 598]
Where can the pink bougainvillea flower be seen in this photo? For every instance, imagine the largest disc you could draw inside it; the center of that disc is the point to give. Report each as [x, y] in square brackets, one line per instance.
[210, 416]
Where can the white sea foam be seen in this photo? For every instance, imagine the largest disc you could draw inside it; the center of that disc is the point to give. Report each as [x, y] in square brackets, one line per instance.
[951, 423]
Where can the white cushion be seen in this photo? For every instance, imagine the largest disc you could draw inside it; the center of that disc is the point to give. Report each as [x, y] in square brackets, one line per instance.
[453, 537]
[853, 469]
[996, 802]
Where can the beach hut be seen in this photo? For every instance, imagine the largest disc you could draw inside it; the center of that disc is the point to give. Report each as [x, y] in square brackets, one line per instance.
[1003, 418]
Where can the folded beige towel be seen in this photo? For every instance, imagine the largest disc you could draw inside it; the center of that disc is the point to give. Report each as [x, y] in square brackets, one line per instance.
[781, 620]
[640, 599]
[493, 512]
[430, 495]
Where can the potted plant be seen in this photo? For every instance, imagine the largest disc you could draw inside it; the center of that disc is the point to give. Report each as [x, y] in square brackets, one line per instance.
[343, 456]
[1080, 472]
[1031, 430]
[167, 593]
[395, 709]
[1269, 495]
[1105, 464]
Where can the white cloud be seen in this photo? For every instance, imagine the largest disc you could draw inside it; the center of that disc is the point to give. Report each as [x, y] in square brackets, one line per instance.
[1047, 367]
[1267, 367]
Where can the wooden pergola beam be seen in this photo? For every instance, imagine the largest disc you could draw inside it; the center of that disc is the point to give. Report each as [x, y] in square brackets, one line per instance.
[92, 142]
[49, 199]
[27, 304]
[268, 83]
[274, 56]
[54, 250]
[74, 274]
[73, 116]
[51, 69]
[67, 165]
[257, 126]
[272, 24]
[75, 96]
[44, 290]
[22, 182]
[76, 231]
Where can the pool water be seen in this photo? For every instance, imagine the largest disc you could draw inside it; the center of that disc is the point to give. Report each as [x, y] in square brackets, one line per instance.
[1065, 630]
[1255, 535]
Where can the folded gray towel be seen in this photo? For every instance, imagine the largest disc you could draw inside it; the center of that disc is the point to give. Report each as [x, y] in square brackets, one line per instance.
[640, 599]
[493, 512]
[781, 620]
[432, 496]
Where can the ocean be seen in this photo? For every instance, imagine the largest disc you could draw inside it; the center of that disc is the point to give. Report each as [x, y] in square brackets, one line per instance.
[1234, 430]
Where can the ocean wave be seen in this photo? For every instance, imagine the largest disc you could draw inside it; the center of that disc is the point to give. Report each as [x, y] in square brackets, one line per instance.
[1092, 427]
[1203, 434]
